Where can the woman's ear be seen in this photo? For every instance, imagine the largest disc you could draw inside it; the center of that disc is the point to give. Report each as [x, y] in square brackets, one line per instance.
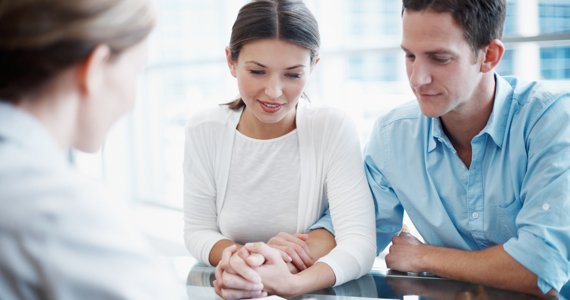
[316, 62]
[492, 55]
[91, 71]
[231, 63]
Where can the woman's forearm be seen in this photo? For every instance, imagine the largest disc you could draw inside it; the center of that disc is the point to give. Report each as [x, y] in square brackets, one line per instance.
[218, 249]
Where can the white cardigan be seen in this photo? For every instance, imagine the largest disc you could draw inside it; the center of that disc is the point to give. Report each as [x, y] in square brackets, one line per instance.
[332, 174]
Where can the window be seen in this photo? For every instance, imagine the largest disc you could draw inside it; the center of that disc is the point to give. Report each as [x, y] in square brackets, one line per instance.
[362, 71]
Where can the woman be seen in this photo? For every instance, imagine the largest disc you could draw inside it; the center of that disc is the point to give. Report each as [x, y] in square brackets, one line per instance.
[270, 162]
[67, 73]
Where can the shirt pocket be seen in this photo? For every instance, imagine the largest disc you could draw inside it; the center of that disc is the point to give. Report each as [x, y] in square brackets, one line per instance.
[507, 219]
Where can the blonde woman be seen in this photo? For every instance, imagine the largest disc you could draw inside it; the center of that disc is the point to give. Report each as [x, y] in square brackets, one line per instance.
[265, 167]
[67, 73]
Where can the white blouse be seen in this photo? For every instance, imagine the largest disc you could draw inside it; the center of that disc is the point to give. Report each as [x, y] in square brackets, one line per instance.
[262, 198]
[332, 175]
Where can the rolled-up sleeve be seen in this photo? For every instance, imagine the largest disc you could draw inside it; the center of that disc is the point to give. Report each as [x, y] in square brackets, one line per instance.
[542, 243]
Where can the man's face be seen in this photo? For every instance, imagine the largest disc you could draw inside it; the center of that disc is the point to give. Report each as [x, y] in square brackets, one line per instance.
[441, 66]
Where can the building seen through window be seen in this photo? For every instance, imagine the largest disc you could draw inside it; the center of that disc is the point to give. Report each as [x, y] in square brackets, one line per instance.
[362, 71]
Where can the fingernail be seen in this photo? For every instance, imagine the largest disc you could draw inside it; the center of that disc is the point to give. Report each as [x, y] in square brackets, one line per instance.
[289, 259]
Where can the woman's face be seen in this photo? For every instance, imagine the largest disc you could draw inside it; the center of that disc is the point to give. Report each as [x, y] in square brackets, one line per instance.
[112, 94]
[271, 75]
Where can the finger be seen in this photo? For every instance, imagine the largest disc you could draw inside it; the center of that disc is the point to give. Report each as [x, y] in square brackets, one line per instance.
[255, 260]
[301, 243]
[217, 288]
[231, 294]
[236, 282]
[225, 261]
[295, 258]
[241, 268]
[285, 256]
[302, 236]
[271, 255]
[218, 273]
[299, 253]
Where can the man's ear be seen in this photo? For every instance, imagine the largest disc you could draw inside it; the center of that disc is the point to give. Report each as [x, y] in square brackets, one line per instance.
[492, 55]
[91, 71]
[231, 63]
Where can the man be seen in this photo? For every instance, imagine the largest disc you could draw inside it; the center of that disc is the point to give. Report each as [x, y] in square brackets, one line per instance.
[480, 163]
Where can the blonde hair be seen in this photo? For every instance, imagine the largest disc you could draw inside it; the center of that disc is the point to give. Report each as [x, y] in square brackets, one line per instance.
[41, 38]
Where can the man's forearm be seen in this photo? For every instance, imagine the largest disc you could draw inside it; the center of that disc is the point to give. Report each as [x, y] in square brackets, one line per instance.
[491, 267]
[320, 242]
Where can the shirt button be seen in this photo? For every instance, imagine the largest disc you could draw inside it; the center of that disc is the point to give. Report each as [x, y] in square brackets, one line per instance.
[475, 215]
[546, 206]
[440, 140]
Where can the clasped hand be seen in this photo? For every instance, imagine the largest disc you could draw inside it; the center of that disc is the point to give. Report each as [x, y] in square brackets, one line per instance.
[259, 269]
[405, 253]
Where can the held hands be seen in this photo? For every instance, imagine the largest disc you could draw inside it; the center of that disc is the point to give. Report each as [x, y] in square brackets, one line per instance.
[235, 278]
[293, 249]
[405, 253]
[254, 271]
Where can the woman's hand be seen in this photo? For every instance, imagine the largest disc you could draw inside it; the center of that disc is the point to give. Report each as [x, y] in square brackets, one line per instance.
[235, 278]
[274, 273]
[293, 249]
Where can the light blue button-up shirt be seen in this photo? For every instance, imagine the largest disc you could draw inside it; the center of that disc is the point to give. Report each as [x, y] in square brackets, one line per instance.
[516, 191]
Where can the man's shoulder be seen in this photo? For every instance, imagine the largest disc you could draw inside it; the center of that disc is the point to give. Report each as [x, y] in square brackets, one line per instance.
[530, 93]
[408, 112]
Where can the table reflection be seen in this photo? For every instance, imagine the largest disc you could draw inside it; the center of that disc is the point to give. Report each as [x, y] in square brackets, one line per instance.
[379, 283]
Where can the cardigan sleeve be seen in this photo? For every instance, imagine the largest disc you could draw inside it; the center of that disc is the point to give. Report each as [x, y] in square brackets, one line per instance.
[201, 231]
[350, 203]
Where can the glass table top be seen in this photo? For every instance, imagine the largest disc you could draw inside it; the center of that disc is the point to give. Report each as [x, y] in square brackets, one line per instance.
[379, 283]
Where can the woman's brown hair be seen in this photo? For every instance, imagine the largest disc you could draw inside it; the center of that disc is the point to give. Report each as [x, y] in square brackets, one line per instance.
[41, 38]
[287, 20]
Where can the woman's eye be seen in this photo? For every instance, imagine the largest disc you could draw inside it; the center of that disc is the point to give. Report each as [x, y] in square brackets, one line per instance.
[256, 72]
[293, 75]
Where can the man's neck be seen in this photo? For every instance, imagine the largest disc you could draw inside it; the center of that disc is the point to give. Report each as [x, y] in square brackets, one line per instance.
[462, 125]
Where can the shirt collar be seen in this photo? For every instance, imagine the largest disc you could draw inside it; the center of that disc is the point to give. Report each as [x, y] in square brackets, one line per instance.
[496, 125]
[24, 130]
[437, 135]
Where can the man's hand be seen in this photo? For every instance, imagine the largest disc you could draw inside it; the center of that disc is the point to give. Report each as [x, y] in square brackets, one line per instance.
[293, 249]
[405, 253]
[235, 277]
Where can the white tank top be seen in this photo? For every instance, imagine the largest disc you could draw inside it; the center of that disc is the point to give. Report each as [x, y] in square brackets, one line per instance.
[262, 196]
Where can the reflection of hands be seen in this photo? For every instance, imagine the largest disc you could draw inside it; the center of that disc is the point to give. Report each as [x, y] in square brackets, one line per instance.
[235, 277]
[293, 249]
[405, 253]
[432, 289]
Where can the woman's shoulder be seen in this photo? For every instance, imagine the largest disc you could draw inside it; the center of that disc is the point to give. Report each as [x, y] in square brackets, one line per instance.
[325, 115]
[212, 116]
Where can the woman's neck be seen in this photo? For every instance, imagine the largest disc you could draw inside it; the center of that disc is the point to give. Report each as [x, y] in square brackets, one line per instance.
[249, 125]
[56, 108]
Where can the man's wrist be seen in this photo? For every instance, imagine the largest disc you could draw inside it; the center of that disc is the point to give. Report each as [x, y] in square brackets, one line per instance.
[423, 261]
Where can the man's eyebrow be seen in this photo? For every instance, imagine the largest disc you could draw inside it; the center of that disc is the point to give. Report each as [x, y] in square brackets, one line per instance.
[433, 52]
